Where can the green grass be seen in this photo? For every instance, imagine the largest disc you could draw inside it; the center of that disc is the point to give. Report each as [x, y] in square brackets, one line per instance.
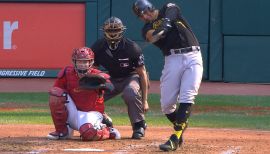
[248, 112]
[222, 100]
[37, 98]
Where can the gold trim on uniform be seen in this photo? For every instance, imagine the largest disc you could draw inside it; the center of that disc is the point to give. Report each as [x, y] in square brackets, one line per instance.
[157, 24]
[180, 23]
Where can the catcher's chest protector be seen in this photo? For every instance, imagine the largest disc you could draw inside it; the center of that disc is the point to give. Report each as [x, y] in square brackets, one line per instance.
[84, 100]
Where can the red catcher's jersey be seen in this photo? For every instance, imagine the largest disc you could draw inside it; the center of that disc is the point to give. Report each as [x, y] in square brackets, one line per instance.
[85, 100]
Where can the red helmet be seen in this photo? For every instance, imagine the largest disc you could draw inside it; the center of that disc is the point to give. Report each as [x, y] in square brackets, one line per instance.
[82, 54]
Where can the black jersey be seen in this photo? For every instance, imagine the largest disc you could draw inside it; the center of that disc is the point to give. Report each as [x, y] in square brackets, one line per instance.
[121, 62]
[179, 36]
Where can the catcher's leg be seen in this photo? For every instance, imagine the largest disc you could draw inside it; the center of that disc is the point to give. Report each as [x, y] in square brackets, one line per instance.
[91, 128]
[90, 133]
[59, 113]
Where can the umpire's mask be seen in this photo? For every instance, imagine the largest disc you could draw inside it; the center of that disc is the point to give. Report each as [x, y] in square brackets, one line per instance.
[113, 29]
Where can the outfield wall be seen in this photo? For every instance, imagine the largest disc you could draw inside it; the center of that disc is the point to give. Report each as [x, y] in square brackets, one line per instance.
[38, 36]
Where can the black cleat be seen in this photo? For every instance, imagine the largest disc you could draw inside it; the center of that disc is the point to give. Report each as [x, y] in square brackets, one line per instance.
[171, 145]
[138, 133]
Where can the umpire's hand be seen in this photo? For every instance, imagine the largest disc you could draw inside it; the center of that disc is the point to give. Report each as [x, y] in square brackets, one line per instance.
[145, 106]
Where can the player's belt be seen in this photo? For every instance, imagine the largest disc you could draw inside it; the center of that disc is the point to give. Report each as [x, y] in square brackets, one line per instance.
[183, 50]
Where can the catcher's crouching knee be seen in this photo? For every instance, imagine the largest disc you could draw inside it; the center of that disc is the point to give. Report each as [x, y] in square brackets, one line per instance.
[89, 133]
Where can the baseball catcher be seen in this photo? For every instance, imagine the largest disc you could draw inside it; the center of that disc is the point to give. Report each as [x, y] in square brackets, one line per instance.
[76, 100]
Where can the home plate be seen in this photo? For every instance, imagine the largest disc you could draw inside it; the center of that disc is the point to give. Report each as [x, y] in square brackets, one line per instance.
[85, 150]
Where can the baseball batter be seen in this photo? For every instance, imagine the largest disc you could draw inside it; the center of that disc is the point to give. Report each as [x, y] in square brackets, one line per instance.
[73, 108]
[182, 73]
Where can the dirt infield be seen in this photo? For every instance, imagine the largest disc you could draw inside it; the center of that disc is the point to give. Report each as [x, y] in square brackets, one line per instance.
[31, 138]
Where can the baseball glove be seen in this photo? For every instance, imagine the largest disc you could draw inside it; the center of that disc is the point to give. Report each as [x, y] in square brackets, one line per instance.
[95, 82]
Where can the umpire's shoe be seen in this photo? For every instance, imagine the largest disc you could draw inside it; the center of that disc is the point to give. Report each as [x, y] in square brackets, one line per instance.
[171, 145]
[139, 130]
[138, 133]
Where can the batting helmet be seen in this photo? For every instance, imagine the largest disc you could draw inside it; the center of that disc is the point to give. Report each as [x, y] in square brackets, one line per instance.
[113, 29]
[82, 54]
[140, 6]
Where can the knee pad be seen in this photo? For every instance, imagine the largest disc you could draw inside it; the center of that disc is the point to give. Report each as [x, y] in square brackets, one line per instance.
[89, 133]
[57, 100]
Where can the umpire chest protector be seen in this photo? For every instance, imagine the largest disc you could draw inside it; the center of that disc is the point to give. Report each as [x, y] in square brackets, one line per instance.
[121, 62]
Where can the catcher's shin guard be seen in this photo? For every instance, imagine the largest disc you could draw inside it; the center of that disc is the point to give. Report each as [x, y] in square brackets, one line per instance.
[59, 112]
[139, 129]
[89, 133]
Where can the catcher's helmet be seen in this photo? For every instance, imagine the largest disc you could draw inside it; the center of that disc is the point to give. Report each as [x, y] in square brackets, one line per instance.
[140, 6]
[82, 54]
[113, 29]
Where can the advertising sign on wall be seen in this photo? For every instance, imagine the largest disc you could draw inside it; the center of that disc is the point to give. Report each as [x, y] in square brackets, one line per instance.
[38, 37]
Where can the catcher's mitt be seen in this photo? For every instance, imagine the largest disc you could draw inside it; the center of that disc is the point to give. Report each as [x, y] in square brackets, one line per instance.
[94, 82]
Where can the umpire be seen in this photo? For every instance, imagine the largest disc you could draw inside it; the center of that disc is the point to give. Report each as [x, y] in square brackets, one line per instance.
[182, 73]
[124, 61]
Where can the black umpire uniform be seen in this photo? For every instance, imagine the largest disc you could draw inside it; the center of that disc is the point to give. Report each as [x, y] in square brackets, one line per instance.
[121, 64]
